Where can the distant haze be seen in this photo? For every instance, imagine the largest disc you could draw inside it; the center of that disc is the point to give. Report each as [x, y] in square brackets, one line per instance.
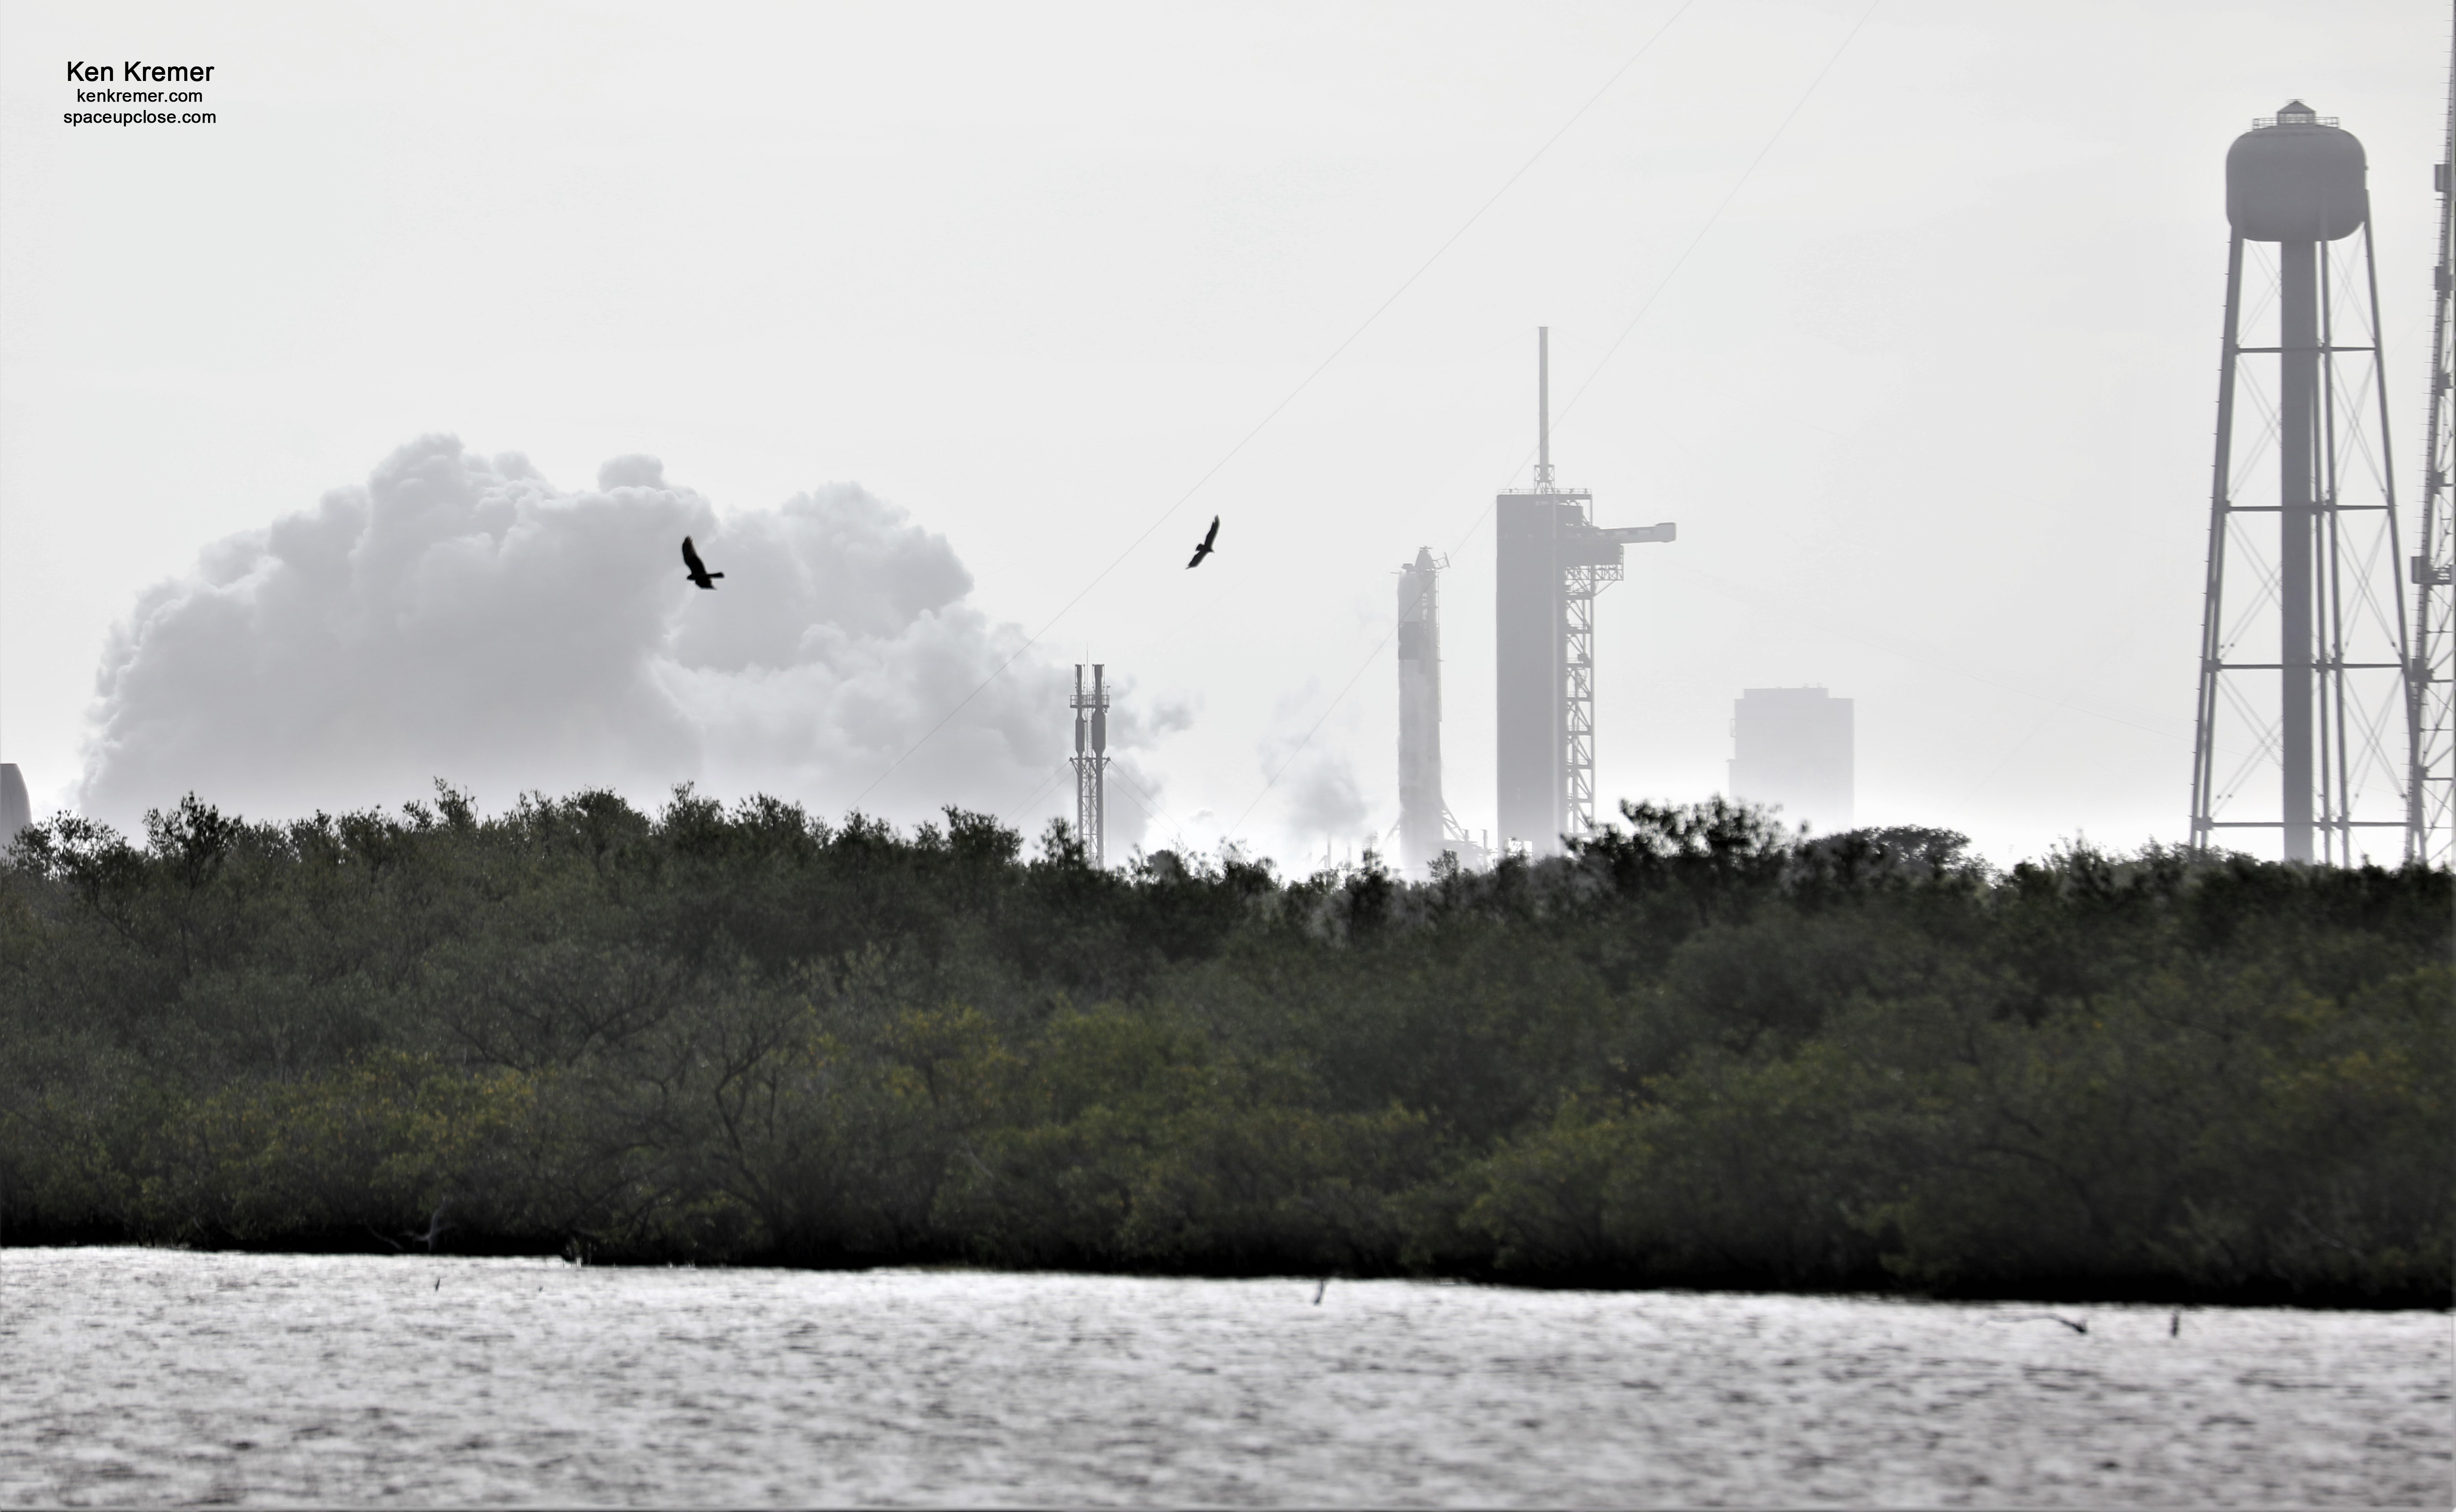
[1904, 311]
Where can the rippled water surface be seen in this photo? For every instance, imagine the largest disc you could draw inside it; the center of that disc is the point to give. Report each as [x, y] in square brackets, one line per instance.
[145, 1375]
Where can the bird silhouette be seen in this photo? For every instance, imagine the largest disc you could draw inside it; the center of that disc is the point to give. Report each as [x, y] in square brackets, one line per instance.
[1204, 549]
[695, 569]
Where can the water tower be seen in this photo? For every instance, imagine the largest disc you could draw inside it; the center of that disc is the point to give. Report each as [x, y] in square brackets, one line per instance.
[2303, 725]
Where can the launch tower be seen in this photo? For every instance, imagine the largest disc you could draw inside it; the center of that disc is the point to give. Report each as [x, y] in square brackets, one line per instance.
[1550, 562]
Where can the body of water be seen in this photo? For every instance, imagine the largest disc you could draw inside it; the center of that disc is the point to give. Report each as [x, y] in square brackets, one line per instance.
[147, 1377]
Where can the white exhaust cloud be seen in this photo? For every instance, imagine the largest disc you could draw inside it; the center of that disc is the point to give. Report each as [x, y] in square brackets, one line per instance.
[460, 616]
[1317, 794]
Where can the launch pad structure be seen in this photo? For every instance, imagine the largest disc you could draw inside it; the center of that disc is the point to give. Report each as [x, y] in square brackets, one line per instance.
[1550, 562]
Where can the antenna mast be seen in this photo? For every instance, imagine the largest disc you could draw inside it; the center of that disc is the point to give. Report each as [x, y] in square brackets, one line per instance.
[1542, 409]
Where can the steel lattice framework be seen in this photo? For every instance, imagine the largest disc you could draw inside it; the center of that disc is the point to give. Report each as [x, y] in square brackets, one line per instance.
[1090, 761]
[1551, 558]
[2432, 788]
[2304, 673]
[1578, 586]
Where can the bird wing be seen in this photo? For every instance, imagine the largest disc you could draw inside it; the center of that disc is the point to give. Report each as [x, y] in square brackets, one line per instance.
[1213, 534]
[1199, 552]
[690, 559]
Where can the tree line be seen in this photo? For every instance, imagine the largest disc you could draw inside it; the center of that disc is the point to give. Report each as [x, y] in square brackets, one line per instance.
[1698, 1049]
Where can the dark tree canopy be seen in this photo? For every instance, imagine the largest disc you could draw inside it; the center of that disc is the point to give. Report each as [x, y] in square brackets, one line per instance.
[1697, 1050]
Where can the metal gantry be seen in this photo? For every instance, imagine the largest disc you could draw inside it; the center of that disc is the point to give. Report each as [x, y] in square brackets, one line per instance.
[1550, 562]
[1578, 586]
[2305, 677]
[1090, 761]
[2432, 685]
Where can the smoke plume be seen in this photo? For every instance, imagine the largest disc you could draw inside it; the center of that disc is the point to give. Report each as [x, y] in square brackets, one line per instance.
[460, 616]
[1318, 794]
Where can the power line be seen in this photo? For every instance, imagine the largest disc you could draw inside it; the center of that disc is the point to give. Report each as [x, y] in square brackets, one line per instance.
[1647, 304]
[1273, 413]
[1796, 107]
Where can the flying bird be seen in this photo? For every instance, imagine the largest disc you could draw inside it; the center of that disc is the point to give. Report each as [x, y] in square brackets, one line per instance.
[695, 569]
[1203, 550]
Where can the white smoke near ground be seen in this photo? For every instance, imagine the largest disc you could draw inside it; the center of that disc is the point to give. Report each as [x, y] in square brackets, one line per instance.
[1319, 800]
[460, 617]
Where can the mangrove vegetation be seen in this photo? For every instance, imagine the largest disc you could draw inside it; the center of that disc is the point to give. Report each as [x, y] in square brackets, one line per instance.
[1697, 1050]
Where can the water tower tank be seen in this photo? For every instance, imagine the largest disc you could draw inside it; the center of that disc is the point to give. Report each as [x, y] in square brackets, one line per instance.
[2297, 180]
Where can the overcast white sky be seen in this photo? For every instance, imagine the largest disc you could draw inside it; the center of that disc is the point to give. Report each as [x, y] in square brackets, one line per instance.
[1930, 398]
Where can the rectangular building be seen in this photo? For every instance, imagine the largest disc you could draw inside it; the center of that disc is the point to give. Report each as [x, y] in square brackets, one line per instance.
[1792, 746]
[1550, 560]
[1530, 627]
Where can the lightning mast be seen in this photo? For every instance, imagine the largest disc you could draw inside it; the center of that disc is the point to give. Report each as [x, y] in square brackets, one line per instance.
[1092, 762]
